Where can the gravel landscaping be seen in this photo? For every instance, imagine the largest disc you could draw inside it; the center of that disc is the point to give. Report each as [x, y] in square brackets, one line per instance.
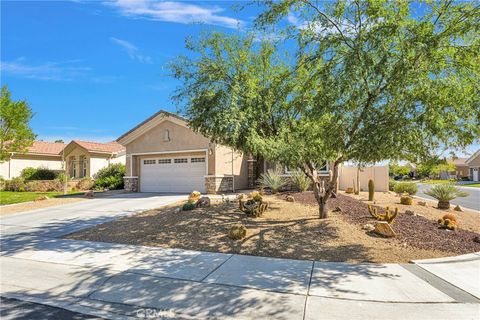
[286, 230]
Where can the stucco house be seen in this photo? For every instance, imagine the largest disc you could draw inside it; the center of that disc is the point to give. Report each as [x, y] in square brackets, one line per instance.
[164, 155]
[86, 158]
[474, 166]
[461, 168]
[39, 154]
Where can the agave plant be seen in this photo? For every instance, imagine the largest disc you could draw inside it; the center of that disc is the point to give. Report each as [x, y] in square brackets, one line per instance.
[444, 193]
[272, 179]
[300, 180]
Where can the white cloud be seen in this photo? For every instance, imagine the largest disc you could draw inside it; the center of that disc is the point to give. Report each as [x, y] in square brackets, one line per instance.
[171, 11]
[54, 71]
[131, 50]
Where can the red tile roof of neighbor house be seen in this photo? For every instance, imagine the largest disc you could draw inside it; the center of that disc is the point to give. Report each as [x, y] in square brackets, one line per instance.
[109, 147]
[43, 147]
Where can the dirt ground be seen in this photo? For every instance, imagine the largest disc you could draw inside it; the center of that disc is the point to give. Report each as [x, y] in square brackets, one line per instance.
[468, 220]
[287, 230]
[27, 206]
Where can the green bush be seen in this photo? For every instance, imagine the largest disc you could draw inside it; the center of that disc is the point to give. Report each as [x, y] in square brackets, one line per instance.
[110, 177]
[391, 184]
[406, 187]
[85, 184]
[38, 174]
[300, 180]
[15, 184]
[273, 180]
[2, 183]
[188, 206]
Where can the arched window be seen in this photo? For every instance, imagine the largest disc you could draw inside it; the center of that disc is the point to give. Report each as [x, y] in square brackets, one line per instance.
[166, 135]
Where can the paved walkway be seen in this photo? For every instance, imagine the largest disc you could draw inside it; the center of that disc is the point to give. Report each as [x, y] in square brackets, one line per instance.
[124, 281]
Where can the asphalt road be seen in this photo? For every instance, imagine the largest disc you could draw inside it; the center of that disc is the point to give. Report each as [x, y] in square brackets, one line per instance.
[471, 202]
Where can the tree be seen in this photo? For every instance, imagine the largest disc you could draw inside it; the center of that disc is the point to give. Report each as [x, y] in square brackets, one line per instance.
[15, 132]
[59, 141]
[369, 81]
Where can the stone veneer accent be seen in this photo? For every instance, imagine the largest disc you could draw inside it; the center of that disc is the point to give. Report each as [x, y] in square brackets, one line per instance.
[130, 183]
[216, 184]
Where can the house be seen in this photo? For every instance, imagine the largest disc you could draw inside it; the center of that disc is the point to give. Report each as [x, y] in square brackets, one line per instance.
[164, 155]
[474, 166]
[461, 168]
[39, 154]
[86, 158]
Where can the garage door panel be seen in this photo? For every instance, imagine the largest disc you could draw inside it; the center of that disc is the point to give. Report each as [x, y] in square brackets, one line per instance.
[172, 177]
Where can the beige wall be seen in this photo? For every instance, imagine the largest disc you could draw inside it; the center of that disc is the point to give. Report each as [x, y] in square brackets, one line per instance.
[379, 174]
[13, 168]
[461, 171]
[224, 158]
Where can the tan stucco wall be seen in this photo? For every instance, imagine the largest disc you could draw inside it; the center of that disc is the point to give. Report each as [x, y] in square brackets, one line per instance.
[181, 139]
[475, 161]
[13, 167]
[461, 171]
[224, 157]
[95, 161]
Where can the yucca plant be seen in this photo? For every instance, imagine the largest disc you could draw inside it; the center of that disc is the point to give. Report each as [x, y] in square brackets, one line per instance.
[300, 180]
[272, 179]
[444, 193]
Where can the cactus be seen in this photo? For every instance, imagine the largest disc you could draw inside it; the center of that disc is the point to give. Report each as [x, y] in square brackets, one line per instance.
[406, 200]
[448, 221]
[371, 190]
[253, 205]
[237, 232]
[387, 216]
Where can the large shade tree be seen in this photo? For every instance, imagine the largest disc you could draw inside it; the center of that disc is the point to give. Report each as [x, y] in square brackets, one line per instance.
[369, 81]
[15, 132]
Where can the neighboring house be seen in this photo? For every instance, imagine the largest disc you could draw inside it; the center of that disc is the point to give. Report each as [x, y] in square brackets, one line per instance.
[165, 155]
[86, 158]
[39, 154]
[474, 166]
[461, 168]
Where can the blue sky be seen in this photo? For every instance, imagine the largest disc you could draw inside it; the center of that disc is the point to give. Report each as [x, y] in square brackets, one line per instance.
[92, 70]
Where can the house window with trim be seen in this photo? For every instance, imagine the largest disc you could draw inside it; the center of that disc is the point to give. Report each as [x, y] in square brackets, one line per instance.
[84, 167]
[72, 167]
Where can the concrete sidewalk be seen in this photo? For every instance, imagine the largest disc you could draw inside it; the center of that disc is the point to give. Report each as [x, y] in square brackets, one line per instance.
[124, 281]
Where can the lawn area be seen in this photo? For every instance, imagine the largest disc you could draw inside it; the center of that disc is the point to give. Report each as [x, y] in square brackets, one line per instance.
[287, 230]
[476, 185]
[10, 197]
[433, 181]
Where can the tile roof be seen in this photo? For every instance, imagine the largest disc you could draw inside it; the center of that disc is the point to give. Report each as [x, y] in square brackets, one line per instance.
[112, 147]
[459, 161]
[43, 147]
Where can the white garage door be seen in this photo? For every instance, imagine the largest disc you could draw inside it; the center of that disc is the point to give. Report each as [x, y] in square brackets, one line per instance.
[180, 174]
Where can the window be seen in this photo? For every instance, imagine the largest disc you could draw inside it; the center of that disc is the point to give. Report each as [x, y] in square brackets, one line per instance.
[166, 135]
[195, 160]
[181, 160]
[149, 161]
[84, 167]
[164, 161]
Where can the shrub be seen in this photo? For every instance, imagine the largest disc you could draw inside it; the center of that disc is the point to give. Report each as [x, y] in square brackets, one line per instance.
[406, 187]
[300, 180]
[110, 177]
[237, 232]
[38, 174]
[2, 183]
[391, 184]
[272, 179]
[15, 184]
[33, 186]
[406, 199]
[444, 193]
[85, 184]
[188, 206]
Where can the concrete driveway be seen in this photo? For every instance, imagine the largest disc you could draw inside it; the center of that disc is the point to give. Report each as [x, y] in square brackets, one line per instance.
[471, 202]
[124, 281]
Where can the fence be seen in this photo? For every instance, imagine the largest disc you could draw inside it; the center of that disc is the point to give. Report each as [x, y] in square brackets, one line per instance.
[348, 176]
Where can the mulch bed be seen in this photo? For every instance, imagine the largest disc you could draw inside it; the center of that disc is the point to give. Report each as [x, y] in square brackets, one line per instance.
[415, 231]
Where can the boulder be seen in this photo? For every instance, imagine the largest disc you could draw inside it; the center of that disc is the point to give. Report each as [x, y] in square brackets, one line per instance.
[177, 210]
[368, 227]
[203, 202]
[41, 198]
[337, 209]
[422, 203]
[290, 199]
[409, 212]
[458, 208]
[384, 229]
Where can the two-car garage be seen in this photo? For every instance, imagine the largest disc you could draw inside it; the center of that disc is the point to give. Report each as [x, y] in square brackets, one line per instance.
[173, 174]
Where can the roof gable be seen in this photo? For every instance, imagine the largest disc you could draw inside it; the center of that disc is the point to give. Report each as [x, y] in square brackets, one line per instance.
[112, 147]
[474, 156]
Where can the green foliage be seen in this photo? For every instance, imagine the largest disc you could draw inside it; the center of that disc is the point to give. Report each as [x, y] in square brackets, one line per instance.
[444, 167]
[110, 177]
[406, 187]
[300, 180]
[391, 184]
[39, 174]
[2, 183]
[15, 132]
[394, 169]
[380, 81]
[188, 206]
[272, 179]
[15, 184]
[371, 190]
[445, 192]
[86, 183]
